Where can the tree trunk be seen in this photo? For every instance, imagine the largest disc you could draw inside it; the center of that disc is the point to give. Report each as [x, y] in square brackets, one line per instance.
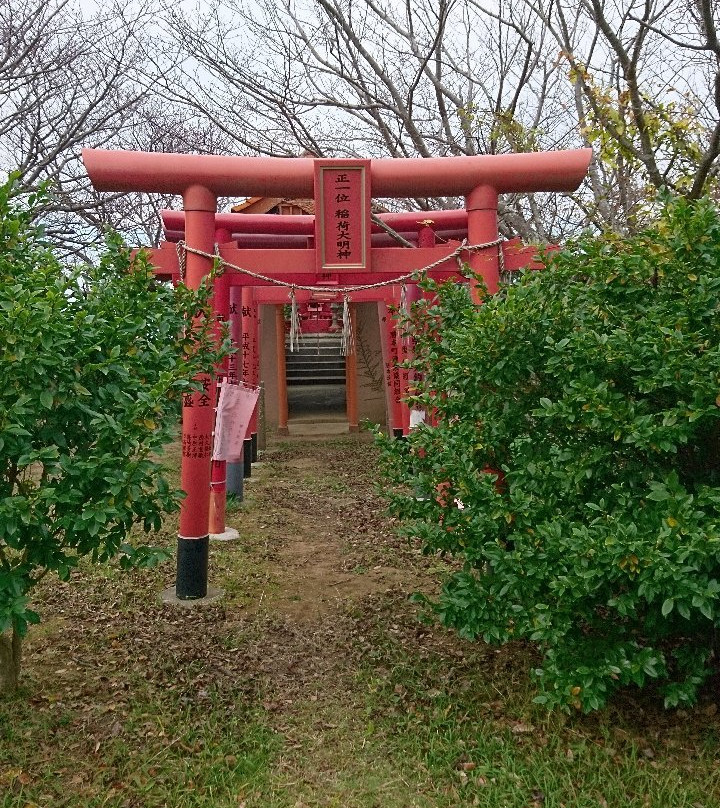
[10, 647]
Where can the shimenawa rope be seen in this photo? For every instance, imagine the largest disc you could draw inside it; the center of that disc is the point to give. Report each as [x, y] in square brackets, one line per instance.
[183, 249]
[348, 339]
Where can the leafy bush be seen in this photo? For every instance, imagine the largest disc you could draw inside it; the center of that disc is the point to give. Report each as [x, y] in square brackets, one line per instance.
[92, 362]
[575, 465]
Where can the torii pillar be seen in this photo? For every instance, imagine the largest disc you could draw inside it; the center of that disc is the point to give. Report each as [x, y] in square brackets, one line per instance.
[482, 204]
[197, 417]
[235, 467]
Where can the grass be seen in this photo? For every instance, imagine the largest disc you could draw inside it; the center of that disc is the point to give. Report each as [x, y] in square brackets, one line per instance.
[149, 756]
[474, 732]
[301, 690]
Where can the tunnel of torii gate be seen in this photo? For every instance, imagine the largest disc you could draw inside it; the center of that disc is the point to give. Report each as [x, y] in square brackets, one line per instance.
[338, 249]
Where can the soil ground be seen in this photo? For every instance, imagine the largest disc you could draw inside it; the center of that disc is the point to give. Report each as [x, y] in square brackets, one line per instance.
[315, 681]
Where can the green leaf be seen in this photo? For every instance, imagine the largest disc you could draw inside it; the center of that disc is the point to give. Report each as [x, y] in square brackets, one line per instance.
[74, 422]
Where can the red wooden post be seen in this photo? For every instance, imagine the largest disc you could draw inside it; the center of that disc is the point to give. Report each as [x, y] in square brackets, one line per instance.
[234, 467]
[412, 294]
[197, 418]
[218, 470]
[388, 336]
[426, 235]
[246, 373]
[481, 204]
[281, 371]
[351, 386]
[402, 344]
[254, 370]
[397, 390]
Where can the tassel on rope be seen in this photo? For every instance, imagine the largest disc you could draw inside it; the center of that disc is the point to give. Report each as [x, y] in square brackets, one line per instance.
[218, 263]
[294, 323]
[403, 298]
[182, 259]
[348, 340]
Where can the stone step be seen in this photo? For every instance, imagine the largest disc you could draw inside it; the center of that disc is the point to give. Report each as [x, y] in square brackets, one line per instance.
[316, 360]
[315, 372]
[296, 361]
[314, 349]
[313, 353]
[319, 380]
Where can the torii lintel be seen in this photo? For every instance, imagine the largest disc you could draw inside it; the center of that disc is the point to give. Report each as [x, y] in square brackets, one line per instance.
[390, 177]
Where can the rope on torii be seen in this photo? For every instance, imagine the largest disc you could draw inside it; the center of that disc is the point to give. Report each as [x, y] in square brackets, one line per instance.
[347, 339]
[183, 248]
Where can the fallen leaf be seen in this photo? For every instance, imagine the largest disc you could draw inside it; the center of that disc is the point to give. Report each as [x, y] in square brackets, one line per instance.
[9, 775]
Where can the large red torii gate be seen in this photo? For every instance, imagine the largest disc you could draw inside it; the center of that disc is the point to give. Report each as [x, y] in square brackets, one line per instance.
[200, 180]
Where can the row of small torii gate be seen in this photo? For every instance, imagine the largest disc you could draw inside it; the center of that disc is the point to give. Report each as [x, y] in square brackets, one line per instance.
[337, 254]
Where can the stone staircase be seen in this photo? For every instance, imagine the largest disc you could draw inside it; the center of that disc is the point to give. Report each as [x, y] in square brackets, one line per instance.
[317, 361]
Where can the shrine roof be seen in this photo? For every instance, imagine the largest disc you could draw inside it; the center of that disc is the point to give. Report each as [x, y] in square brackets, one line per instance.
[266, 204]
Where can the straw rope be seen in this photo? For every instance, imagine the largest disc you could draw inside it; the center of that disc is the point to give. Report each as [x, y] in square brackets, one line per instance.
[182, 250]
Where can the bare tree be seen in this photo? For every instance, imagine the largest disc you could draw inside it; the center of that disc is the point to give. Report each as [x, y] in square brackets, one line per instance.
[646, 82]
[156, 126]
[65, 81]
[69, 79]
[637, 79]
[375, 78]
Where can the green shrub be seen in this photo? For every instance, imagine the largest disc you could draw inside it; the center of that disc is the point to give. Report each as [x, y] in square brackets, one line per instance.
[93, 361]
[592, 389]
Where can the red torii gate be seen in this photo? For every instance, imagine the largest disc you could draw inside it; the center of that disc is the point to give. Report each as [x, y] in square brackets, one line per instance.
[417, 229]
[200, 180]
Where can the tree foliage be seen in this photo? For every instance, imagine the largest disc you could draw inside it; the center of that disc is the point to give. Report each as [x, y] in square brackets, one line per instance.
[574, 469]
[93, 362]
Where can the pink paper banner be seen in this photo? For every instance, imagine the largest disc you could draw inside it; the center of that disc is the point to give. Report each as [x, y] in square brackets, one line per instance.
[235, 408]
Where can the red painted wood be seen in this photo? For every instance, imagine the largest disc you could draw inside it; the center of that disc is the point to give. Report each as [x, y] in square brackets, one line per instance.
[262, 224]
[281, 371]
[515, 256]
[218, 473]
[198, 409]
[351, 380]
[389, 339]
[482, 205]
[275, 176]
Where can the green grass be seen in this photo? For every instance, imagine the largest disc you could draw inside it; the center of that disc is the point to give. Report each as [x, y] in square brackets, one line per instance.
[181, 757]
[490, 748]
[130, 704]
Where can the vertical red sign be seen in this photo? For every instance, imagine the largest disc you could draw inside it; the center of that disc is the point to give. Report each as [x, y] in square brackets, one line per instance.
[342, 215]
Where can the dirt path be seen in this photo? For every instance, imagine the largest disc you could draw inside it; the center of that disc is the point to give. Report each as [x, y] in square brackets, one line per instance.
[331, 543]
[316, 570]
[313, 683]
